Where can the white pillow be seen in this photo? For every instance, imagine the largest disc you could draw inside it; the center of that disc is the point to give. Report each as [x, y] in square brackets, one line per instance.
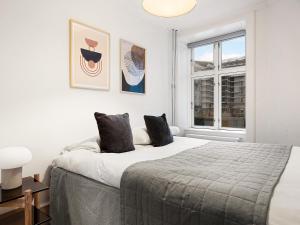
[140, 136]
[91, 144]
[174, 130]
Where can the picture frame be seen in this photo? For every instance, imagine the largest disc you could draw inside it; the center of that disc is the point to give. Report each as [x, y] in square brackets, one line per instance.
[132, 68]
[89, 55]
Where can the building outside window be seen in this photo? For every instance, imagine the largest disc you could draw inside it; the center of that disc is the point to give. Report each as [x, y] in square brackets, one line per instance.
[219, 82]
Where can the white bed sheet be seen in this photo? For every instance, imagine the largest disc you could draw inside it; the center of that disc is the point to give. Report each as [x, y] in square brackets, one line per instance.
[109, 167]
[285, 203]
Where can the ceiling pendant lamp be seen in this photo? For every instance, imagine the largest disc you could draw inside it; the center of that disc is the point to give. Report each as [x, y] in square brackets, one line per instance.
[169, 8]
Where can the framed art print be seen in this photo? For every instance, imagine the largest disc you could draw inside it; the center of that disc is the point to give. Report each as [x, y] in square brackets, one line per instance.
[89, 57]
[133, 67]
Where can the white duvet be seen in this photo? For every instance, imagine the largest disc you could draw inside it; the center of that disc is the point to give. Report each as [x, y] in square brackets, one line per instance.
[109, 167]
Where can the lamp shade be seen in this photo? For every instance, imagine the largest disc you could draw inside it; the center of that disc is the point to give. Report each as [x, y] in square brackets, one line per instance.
[14, 157]
[169, 8]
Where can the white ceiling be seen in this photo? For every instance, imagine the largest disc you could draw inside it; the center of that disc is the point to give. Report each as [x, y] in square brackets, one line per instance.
[206, 11]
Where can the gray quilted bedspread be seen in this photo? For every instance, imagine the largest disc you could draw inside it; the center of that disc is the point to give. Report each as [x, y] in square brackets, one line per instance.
[215, 184]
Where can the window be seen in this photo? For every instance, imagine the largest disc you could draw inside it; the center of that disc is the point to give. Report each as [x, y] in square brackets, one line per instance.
[219, 84]
[203, 58]
[233, 52]
[204, 102]
[233, 101]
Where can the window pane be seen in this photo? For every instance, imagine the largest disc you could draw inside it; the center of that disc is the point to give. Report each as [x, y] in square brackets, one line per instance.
[203, 58]
[233, 52]
[233, 101]
[204, 102]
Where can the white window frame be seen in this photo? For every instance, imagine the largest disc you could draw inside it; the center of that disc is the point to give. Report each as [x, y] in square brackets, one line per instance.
[217, 74]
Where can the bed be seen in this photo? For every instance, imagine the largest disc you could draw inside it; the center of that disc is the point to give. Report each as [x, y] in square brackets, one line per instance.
[91, 188]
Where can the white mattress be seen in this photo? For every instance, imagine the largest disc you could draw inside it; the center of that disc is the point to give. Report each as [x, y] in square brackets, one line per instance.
[109, 167]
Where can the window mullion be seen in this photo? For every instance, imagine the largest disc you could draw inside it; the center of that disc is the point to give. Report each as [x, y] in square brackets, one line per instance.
[220, 85]
[216, 92]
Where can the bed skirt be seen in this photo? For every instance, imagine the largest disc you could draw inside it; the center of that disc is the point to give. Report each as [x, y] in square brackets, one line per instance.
[78, 200]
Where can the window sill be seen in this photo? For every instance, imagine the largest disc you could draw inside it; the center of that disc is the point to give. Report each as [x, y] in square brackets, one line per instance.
[219, 135]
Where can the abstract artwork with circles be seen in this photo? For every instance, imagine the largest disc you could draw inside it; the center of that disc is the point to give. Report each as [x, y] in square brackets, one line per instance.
[89, 57]
[133, 67]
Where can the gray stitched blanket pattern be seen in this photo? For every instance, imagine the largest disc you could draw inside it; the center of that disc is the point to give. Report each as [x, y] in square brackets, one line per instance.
[215, 184]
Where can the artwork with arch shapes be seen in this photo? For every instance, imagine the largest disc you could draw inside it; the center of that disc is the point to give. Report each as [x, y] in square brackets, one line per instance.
[89, 57]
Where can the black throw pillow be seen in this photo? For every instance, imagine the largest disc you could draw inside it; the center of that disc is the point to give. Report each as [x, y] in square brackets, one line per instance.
[158, 130]
[115, 133]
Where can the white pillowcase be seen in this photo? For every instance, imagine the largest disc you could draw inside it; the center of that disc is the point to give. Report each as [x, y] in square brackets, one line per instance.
[140, 136]
[175, 131]
[91, 144]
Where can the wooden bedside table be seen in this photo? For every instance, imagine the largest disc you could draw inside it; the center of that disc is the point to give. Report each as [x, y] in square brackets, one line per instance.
[22, 198]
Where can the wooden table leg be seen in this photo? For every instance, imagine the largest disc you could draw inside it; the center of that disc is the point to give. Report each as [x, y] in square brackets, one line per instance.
[28, 207]
[36, 197]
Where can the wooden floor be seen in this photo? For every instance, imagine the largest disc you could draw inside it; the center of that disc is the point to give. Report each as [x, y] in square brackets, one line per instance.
[14, 218]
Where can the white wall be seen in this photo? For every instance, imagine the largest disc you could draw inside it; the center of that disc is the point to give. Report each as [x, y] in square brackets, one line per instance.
[273, 112]
[277, 73]
[37, 107]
